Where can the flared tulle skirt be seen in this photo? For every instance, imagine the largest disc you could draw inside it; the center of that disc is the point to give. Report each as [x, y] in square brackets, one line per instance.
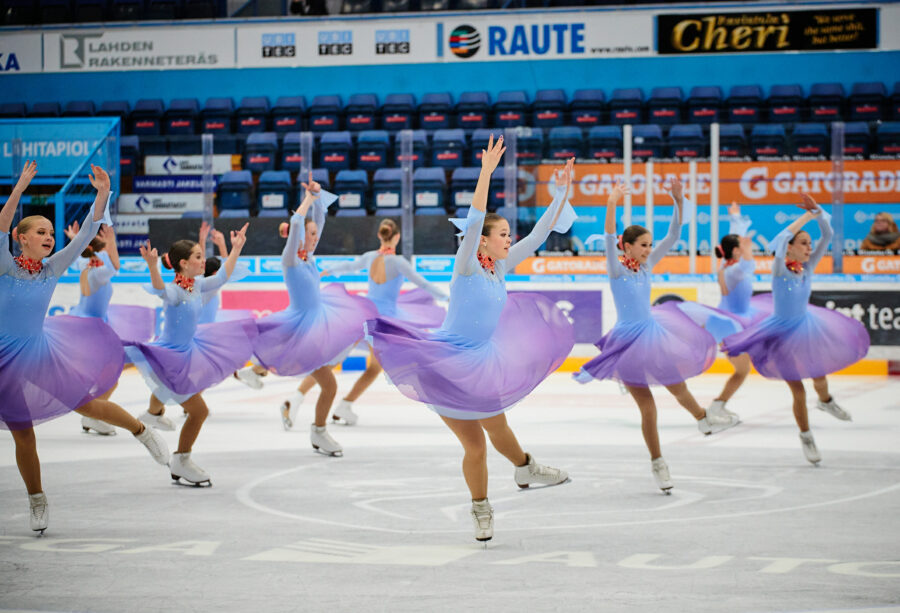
[664, 349]
[175, 373]
[297, 342]
[417, 308]
[132, 323]
[463, 379]
[819, 343]
[721, 323]
[73, 361]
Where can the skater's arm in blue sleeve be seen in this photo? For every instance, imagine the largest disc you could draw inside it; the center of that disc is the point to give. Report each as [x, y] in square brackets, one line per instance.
[62, 259]
[465, 263]
[318, 215]
[824, 221]
[663, 246]
[406, 269]
[546, 224]
[6, 259]
[355, 265]
[614, 267]
[210, 285]
[100, 276]
[294, 241]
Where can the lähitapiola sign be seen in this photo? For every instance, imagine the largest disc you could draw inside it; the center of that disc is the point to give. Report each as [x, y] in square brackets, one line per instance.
[744, 32]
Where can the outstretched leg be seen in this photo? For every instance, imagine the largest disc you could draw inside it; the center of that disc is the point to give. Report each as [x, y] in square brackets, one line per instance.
[741, 365]
[373, 369]
[474, 465]
[647, 405]
[503, 439]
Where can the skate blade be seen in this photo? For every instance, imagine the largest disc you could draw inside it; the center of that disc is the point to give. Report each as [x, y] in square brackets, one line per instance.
[185, 483]
[93, 432]
[715, 429]
[666, 490]
[539, 486]
[330, 454]
[484, 540]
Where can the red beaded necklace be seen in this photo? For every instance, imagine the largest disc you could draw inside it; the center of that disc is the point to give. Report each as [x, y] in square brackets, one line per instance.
[31, 266]
[184, 282]
[630, 263]
[794, 266]
[486, 261]
[302, 254]
[95, 262]
[387, 251]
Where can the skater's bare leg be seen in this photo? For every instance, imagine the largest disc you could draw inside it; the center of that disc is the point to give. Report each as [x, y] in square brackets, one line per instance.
[366, 379]
[27, 459]
[821, 386]
[800, 414]
[741, 365]
[111, 413]
[503, 439]
[197, 412]
[647, 405]
[474, 465]
[686, 399]
[309, 381]
[157, 407]
[324, 376]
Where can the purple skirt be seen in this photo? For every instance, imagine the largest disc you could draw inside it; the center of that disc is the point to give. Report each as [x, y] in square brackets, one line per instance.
[721, 323]
[297, 342]
[454, 375]
[233, 314]
[417, 308]
[819, 343]
[175, 373]
[132, 324]
[74, 360]
[665, 349]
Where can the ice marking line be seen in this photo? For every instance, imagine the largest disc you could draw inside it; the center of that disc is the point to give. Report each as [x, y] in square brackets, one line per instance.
[244, 495]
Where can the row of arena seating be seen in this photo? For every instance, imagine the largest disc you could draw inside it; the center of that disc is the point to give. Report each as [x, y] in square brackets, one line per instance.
[274, 194]
[746, 104]
[375, 149]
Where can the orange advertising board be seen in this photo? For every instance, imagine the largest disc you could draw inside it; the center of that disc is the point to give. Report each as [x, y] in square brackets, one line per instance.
[865, 181]
[680, 265]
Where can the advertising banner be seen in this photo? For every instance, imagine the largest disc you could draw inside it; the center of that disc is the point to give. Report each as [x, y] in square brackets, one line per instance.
[170, 184]
[878, 311]
[125, 49]
[20, 53]
[138, 223]
[779, 30]
[59, 146]
[185, 164]
[156, 204]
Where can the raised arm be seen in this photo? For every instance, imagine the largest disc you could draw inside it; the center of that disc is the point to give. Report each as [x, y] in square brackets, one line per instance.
[824, 221]
[218, 240]
[8, 212]
[151, 256]
[62, 259]
[354, 265]
[547, 223]
[238, 240]
[108, 236]
[662, 247]
[406, 269]
[294, 240]
[614, 267]
[490, 158]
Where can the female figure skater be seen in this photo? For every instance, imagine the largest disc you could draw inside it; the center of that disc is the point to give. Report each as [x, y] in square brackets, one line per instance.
[100, 263]
[211, 302]
[185, 359]
[662, 346]
[387, 271]
[50, 366]
[318, 328]
[491, 350]
[800, 341]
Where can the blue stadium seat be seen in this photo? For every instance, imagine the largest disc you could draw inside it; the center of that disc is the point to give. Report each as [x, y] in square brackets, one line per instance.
[217, 116]
[181, 116]
[12, 110]
[352, 188]
[129, 155]
[867, 101]
[44, 109]
[462, 186]
[436, 111]
[745, 104]
[162, 10]
[429, 191]
[87, 11]
[480, 139]
[420, 149]
[261, 151]
[126, 10]
[686, 141]
[472, 110]
[549, 108]
[398, 111]
[287, 114]
[605, 142]
[825, 101]
[511, 109]
[185, 144]
[767, 140]
[372, 149]
[856, 138]
[784, 103]
[448, 148]
[732, 140]
[290, 152]
[360, 112]
[387, 185]
[887, 138]
[626, 106]
[565, 142]
[273, 193]
[251, 115]
[586, 108]
[810, 139]
[325, 113]
[529, 146]
[235, 190]
[704, 105]
[335, 151]
[664, 107]
[116, 108]
[79, 108]
[648, 141]
[146, 117]
[895, 102]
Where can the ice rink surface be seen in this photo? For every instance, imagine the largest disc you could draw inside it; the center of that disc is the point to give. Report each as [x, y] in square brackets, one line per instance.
[750, 525]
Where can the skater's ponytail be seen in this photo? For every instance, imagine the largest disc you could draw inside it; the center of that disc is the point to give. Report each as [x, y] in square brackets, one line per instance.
[96, 246]
[180, 250]
[213, 265]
